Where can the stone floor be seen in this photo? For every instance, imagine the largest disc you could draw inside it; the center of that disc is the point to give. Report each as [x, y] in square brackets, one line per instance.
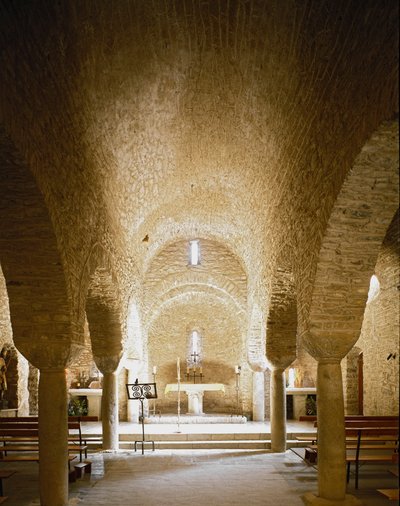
[194, 477]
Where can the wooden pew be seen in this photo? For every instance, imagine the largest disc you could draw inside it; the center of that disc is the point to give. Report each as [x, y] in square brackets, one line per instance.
[313, 418]
[12, 435]
[83, 439]
[368, 440]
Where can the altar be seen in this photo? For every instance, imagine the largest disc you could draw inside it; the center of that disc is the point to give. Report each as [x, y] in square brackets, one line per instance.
[195, 393]
[93, 396]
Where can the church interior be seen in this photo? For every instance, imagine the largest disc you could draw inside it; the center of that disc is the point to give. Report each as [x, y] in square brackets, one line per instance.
[201, 195]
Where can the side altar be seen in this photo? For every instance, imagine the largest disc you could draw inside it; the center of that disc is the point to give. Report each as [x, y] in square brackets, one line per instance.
[195, 393]
[93, 396]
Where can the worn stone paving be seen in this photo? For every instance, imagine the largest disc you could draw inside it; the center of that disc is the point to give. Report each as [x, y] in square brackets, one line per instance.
[198, 478]
[203, 478]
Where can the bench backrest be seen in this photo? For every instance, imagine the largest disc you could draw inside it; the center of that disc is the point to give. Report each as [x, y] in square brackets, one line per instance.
[33, 425]
[368, 423]
[313, 418]
[33, 433]
[19, 419]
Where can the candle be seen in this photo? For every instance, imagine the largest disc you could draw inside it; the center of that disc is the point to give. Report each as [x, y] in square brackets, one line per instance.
[236, 369]
[187, 370]
[154, 369]
[178, 368]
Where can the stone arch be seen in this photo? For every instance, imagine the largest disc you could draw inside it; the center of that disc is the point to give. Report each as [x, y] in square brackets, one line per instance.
[134, 330]
[186, 285]
[204, 291]
[281, 339]
[350, 381]
[103, 314]
[357, 226]
[40, 307]
[256, 340]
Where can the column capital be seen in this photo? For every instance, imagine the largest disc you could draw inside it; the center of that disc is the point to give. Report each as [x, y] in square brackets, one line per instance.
[329, 360]
[328, 345]
[107, 364]
[283, 362]
[49, 354]
[260, 365]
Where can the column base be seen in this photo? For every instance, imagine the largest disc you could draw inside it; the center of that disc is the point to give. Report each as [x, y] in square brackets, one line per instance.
[311, 499]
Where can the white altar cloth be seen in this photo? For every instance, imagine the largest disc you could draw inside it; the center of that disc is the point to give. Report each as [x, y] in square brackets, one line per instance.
[195, 393]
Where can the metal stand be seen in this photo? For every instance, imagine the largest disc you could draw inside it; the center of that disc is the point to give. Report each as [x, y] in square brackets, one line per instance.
[237, 372]
[140, 392]
[154, 402]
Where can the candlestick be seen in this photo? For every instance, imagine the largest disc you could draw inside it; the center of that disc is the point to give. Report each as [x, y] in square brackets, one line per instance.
[178, 368]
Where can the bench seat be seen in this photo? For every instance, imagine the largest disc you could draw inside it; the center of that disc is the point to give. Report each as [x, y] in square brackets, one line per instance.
[34, 446]
[391, 493]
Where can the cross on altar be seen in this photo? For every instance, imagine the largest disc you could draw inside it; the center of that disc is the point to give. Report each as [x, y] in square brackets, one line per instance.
[195, 356]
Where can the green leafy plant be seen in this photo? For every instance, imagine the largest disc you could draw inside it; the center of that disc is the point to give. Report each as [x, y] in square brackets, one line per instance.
[311, 405]
[78, 406]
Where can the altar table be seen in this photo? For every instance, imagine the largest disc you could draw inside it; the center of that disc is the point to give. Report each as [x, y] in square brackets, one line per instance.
[93, 396]
[195, 393]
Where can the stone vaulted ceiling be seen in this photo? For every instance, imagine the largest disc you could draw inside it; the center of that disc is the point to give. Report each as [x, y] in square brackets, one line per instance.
[234, 121]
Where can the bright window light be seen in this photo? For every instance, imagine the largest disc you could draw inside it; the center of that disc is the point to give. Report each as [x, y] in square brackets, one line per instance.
[195, 341]
[374, 287]
[291, 377]
[194, 257]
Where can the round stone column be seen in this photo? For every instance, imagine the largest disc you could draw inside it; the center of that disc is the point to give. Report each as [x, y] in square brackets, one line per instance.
[331, 434]
[109, 367]
[331, 439]
[53, 438]
[258, 396]
[109, 411]
[278, 410]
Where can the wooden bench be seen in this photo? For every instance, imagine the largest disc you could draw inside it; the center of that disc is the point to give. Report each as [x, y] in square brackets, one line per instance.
[76, 437]
[12, 433]
[4, 474]
[19, 437]
[364, 445]
[17, 419]
[391, 493]
[313, 418]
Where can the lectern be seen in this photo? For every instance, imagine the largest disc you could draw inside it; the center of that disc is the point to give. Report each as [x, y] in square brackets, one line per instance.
[140, 392]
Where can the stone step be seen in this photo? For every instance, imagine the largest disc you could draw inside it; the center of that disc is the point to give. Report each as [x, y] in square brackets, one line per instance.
[207, 445]
[181, 436]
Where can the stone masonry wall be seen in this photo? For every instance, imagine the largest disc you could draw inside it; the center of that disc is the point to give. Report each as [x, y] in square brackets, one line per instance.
[379, 338]
[223, 348]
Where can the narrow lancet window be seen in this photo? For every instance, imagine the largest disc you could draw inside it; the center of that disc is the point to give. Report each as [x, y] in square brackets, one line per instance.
[194, 252]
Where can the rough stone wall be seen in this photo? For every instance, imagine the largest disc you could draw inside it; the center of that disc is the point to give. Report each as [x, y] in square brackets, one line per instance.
[350, 371]
[170, 271]
[380, 332]
[18, 369]
[5, 324]
[223, 348]
[33, 387]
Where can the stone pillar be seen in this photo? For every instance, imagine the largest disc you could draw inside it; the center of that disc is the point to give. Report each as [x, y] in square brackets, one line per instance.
[331, 435]
[53, 438]
[331, 439]
[109, 367]
[258, 396]
[109, 411]
[278, 410]
[133, 407]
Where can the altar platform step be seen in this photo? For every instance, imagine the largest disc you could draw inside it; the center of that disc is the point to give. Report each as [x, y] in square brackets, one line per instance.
[206, 441]
[190, 419]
